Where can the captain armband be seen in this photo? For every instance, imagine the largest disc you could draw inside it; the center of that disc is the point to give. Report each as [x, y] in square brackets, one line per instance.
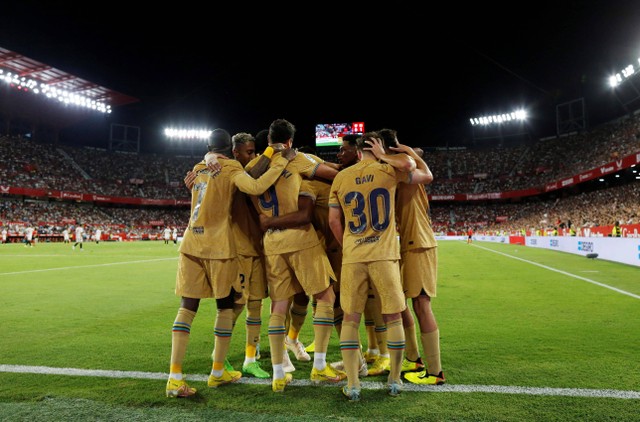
[268, 152]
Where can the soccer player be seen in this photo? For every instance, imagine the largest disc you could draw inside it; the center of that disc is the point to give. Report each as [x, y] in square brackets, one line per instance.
[79, 233]
[248, 238]
[167, 235]
[419, 268]
[295, 262]
[377, 352]
[65, 235]
[98, 235]
[208, 265]
[313, 208]
[28, 236]
[4, 235]
[362, 218]
[174, 235]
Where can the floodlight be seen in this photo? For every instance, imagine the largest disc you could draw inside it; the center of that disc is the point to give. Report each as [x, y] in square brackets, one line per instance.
[30, 85]
[499, 118]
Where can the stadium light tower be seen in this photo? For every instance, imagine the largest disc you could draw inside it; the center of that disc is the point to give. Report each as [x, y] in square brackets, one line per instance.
[24, 84]
[500, 126]
[181, 137]
[624, 85]
[497, 119]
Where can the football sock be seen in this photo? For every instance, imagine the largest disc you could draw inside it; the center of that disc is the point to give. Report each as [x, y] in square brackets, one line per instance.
[381, 335]
[370, 324]
[322, 326]
[253, 324]
[431, 347]
[180, 339]
[350, 349]
[298, 315]
[395, 343]
[222, 330]
[338, 314]
[276, 338]
[411, 342]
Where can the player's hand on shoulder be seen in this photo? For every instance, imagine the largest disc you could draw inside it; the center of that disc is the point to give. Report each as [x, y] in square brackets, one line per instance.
[289, 153]
[190, 179]
[279, 147]
[213, 165]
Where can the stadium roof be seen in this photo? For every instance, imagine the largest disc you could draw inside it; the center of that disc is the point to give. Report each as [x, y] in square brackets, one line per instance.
[49, 75]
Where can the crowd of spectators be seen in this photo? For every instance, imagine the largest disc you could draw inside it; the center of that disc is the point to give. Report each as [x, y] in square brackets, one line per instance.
[533, 164]
[584, 210]
[52, 217]
[456, 170]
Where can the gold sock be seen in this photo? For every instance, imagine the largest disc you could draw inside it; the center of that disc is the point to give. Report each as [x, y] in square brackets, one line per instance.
[431, 347]
[180, 338]
[411, 350]
[276, 337]
[253, 325]
[298, 315]
[222, 329]
[338, 314]
[350, 350]
[395, 343]
[322, 326]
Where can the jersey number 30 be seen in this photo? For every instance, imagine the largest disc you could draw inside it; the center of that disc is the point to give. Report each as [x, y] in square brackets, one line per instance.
[373, 210]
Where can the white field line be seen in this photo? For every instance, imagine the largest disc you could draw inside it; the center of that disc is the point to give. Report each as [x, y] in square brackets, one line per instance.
[73, 267]
[366, 385]
[588, 280]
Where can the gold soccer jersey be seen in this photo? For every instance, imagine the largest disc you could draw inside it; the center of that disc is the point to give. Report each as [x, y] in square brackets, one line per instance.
[281, 199]
[319, 190]
[412, 211]
[246, 227]
[209, 233]
[365, 191]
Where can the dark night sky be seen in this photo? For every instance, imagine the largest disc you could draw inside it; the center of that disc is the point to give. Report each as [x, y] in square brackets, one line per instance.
[421, 73]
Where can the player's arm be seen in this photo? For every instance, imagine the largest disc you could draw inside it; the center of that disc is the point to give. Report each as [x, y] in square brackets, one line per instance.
[402, 162]
[251, 186]
[292, 219]
[335, 222]
[326, 171]
[333, 165]
[423, 173]
[264, 160]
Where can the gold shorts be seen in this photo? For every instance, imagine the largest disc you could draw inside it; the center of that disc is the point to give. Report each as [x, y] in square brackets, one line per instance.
[253, 269]
[419, 269]
[200, 278]
[306, 270]
[385, 280]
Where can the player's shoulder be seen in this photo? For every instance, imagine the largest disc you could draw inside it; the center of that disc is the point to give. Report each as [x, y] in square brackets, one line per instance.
[304, 160]
[230, 164]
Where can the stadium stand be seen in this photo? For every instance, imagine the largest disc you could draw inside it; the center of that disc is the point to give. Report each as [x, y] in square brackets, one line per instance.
[532, 186]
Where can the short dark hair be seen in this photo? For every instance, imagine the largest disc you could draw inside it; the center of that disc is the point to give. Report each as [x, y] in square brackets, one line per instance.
[367, 136]
[281, 131]
[220, 141]
[389, 138]
[262, 140]
[350, 139]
